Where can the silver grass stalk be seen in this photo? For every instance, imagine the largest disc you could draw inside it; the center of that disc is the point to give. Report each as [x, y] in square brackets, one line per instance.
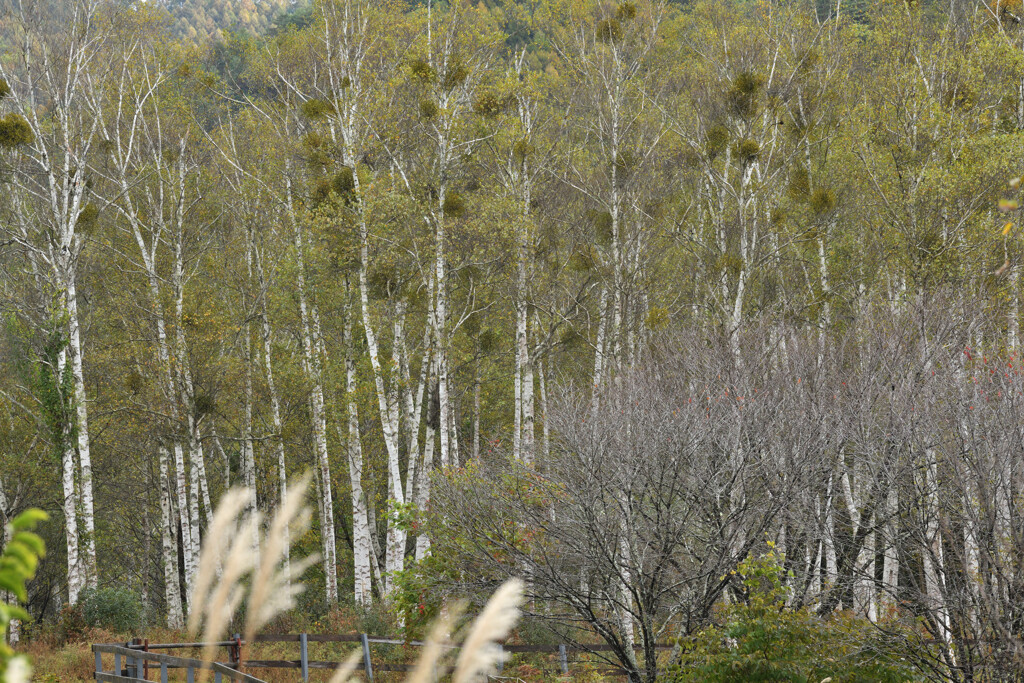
[220, 533]
[226, 597]
[434, 647]
[344, 672]
[273, 590]
[480, 655]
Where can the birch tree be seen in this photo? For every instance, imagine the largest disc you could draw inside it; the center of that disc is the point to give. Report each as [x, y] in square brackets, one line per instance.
[46, 99]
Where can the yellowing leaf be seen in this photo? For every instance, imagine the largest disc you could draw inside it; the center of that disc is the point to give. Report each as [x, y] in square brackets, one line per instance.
[1015, 183]
[1008, 205]
[1006, 228]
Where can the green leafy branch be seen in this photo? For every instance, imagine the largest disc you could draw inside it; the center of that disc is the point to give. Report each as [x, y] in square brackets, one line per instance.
[17, 566]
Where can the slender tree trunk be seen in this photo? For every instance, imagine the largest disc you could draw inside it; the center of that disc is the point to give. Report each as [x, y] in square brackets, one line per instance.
[388, 412]
[190, 535]
[362, 549]
[933, 555]
[517, 393]
[169, 547]
[545, 427]
[890, 538]
[427, 466]
[441, 334]
[275, 408]
[599, 348]
[476, 410]
[76, 577]
[248, 454]
[528, 381]
[316, 399]
[84, 457]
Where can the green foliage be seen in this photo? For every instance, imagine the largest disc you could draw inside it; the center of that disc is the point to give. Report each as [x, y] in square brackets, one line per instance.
[422, 71]
[490, 103]
[5, 89]
[799, 184]
[625, 11]
[609, 30]
[761, 639]
[454, 205]
[87, 218]
[489, 340]
[822, 200]
[341, 185]
[715, 140]
[747, 151]
[428, 108]
[204, 404]
[314, 109]
[455, 73]
[521, 150]
[15, 130]
[18, 565]
[743, 94]
[114, 609]
[602, 221]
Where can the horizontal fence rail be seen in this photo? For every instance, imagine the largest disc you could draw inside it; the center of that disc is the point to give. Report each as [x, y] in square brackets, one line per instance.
[137, 660]
[138, 656]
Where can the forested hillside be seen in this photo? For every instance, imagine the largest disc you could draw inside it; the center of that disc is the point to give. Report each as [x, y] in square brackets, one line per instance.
[603, 295]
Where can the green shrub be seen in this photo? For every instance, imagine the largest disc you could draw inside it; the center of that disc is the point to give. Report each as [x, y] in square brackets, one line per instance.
[761, 639]
[114, 609]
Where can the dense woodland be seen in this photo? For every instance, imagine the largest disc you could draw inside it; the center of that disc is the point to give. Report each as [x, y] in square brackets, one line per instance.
[604, 295]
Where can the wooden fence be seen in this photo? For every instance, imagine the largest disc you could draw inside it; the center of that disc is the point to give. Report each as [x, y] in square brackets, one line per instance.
[140, 657]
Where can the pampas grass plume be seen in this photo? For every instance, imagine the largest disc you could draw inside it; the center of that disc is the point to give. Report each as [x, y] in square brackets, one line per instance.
[480, 655]
[272, 589]
[344, 672]
[434, 646]
[218, 536]
[226, 597]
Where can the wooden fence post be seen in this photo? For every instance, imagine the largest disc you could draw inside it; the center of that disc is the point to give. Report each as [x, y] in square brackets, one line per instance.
[366, 658]
[304, 656]
[163, 672]
[563, 659]
[99, 662]
[501, 659]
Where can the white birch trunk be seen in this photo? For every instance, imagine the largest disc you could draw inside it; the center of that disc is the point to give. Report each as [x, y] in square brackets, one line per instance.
[362, 549]
[76, 578]
[394, 561]
[476, 411]
[889, 539]
[528, 381]
[311, 361]
[517, 394]
[275, 411]
[169, 547]
[84, 458]
[933, 555]
[248, 454]
[427, 466]
[545, 427]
